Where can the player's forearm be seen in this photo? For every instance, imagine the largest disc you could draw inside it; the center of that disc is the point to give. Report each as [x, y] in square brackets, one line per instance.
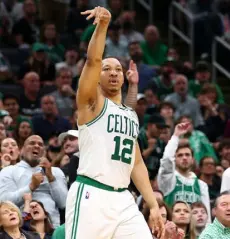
[141, 180]
[97, 43]
[131, 98]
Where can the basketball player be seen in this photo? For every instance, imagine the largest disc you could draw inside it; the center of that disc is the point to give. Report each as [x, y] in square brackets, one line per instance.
[99, 206]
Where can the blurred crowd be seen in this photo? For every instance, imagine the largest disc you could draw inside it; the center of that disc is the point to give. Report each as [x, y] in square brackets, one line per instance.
[43, 46]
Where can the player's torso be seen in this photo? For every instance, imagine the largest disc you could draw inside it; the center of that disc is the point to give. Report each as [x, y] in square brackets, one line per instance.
[107, 145]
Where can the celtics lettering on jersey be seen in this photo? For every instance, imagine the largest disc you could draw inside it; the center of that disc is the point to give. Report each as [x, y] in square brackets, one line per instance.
[108, 145]
[183, 192]
[122, 125]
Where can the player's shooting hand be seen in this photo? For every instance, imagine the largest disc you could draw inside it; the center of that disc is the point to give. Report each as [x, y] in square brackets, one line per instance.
[132, 73]
[100, 14]
[156, 223]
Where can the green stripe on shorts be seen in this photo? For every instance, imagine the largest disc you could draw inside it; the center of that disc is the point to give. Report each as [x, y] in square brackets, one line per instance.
[78, 210]
[75, 210]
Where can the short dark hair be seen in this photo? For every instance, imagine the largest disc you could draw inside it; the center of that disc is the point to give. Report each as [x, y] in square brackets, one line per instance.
[220, 195]
[224, 144]
[202, 66]
[184, 116]
[166, 104]
[10, 96]
[203, 158]
[134, 43]
[198, 205]
[146, 211]
[208, 88]
[183, 146]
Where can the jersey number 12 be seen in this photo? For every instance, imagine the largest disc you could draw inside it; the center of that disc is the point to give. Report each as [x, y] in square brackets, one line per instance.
[123, 150]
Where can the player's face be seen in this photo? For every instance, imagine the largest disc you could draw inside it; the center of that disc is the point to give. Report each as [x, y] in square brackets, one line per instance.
[112, 77]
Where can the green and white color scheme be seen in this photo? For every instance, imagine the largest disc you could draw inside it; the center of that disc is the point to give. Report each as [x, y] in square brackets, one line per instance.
[107, 145]
[175, 186]
[98, 203]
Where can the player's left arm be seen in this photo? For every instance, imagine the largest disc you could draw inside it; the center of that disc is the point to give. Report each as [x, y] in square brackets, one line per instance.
[140, 178]
[133, 79]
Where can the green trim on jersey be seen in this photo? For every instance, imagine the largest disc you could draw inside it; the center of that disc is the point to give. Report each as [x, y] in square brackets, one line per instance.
[100, 115]
[183, 192]
[77, 210]
[96, 184]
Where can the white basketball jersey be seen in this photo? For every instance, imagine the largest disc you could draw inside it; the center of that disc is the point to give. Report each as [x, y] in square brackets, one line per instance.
[107, 145]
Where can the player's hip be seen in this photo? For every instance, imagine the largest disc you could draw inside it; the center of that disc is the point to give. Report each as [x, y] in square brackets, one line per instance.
[90, 192]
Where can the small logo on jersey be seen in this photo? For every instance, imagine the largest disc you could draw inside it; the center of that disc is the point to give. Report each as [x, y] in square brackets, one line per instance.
[87, 195]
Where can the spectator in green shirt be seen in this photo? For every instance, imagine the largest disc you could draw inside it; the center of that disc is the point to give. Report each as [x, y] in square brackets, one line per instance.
[154, 51]
[198, 141]
[49, 37]
[59, 232]
[220, 228]
[202, 76]
[164, 82]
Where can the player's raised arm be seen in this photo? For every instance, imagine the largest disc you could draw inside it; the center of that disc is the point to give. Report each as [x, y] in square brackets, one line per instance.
[90, 76]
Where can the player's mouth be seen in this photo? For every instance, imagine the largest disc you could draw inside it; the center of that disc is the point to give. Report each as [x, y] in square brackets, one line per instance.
[113, 81]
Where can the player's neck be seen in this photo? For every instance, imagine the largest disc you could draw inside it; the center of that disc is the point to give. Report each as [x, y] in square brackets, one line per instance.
[115, 98]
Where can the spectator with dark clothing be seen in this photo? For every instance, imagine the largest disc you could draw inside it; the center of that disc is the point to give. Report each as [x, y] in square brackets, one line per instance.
[141, 108]
[151, 146]
[227, 130]
[224, 153]
[49, 37]
[213, 113]
[208, 175]
[54, 11]
[166, 110]
[36, 218]
[116, 8]
[76, 23]
[35, 174]
[64, 93]
[39, 63]
[30, 98]
[22, 131]
[69, 142]
[146, 72]
[152, 99]
[11, 104]
[49, 122]
[26, 30]
[127, 21]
